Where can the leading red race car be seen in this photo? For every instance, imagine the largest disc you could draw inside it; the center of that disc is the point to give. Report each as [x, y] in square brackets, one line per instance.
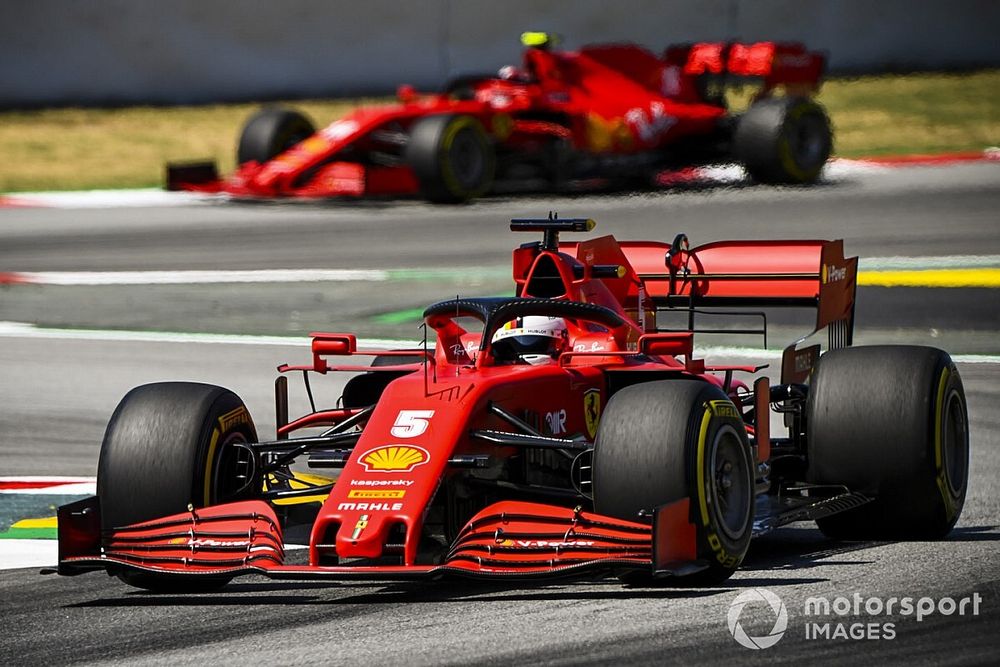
[605, 114]
[564, 430]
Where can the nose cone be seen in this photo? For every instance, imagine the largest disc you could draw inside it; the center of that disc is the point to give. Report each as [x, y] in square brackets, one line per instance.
[364, 535]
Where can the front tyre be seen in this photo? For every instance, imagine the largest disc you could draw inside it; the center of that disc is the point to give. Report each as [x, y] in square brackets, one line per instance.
[270, 132]
[660, 442]
[169, 445]
[452, 157]
[891, 422]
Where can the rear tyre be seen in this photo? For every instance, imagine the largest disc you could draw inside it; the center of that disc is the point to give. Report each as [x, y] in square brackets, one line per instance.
[452, 158]
[660, 442]
[890, 422]
[270, 132]
[169, 445]
[783, 140]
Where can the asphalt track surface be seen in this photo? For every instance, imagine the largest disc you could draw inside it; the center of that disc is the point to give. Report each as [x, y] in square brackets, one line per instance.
[55, 397]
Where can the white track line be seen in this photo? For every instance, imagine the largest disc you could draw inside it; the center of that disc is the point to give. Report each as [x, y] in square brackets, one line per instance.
[146, 197]
[264, 276]
[80, 489]
[78, 278]
[56, 486]
[25, 330]
[938, 262]
[733, 173]
[16, 554]
[46, 479]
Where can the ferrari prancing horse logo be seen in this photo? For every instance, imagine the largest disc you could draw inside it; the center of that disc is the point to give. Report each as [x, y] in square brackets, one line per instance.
[592, 410]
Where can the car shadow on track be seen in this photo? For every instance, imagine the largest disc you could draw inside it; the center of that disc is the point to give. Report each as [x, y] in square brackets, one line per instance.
[267, 593]
[314, 593]
[802, 548]
[786, 550]
[974, 534]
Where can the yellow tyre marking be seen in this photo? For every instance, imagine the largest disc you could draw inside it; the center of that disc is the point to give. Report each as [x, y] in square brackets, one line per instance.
[932, 278]
[706, 420]
[227, 421]
[212, 444]
[785, 151]
[942, 481]
[725, 410]
[938, 456]
[503, 126]
[450, 132]
[446, 141]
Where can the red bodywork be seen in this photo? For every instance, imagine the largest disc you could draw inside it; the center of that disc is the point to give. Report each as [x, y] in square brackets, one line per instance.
[610, 101]
[439, 430]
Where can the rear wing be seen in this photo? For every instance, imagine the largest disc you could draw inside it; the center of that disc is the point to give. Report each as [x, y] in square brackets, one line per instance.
[685, 70]
[772, 63]
[751, 274]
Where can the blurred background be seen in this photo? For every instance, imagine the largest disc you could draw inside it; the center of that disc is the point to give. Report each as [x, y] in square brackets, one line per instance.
[205, 51]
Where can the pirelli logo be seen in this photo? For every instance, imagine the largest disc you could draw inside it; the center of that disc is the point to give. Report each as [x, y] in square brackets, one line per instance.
[234, 418]
[723, 409]
[376, 493]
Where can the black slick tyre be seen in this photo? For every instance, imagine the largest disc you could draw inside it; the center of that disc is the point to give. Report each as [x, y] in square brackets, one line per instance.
[169, 445]
[452, 157]
[270, 132]
[660, 442]
[783, 140]
[890, 422]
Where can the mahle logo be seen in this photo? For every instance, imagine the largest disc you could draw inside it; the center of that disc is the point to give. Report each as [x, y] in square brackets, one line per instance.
[757, 598]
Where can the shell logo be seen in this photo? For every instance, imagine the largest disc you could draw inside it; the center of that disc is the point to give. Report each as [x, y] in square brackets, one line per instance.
[394, 458]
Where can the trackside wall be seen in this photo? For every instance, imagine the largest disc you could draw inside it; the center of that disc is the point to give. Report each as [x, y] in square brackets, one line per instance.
[186, 51]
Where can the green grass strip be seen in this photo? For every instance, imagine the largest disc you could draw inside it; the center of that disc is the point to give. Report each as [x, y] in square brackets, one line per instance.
[30, 534]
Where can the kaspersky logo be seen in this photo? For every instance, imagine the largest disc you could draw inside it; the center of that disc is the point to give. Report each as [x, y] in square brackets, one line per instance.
[762, 603]
[394, 458]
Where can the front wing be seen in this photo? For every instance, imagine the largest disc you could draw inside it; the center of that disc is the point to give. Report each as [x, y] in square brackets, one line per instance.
[507, 540]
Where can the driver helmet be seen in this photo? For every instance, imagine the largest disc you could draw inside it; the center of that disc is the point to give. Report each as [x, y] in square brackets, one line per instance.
[534, 339]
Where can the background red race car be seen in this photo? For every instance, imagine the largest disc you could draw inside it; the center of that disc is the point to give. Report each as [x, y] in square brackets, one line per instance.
[568, 429]
[605, 115]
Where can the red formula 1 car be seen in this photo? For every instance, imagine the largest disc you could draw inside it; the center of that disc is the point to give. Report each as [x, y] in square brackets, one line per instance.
[561, 431]
[613, 114]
